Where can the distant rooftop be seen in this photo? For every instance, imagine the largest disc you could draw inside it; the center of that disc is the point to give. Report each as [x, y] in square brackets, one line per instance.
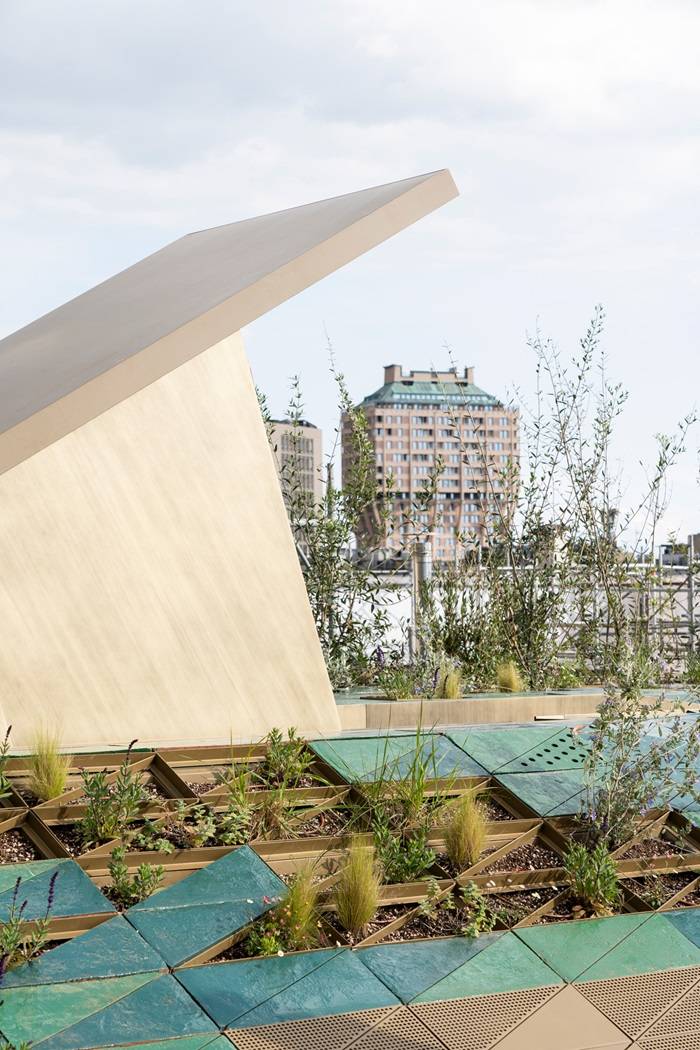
[429, 387]
[294, 422]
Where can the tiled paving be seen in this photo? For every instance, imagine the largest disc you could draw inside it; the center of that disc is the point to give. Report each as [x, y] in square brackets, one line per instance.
[627, 981]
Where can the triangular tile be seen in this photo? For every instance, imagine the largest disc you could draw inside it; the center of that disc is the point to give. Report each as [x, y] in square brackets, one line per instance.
[572, 947]
[634, 1003]
[400, 1030]
[687, 921]
[112, 949]
[38, 1012]
[335, 1032]
[179, 934]
[74, 893]
[505, 965]
[240, 875]
[414, 966]
[479, 1022]
[230, 989]
[654, 946]
[497, 748]
[158, 1010]
[682, 1017]
[567, 1021]
[341, 985]
[9, 873]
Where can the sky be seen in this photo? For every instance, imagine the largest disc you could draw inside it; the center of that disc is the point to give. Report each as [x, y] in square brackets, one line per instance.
[572, 131]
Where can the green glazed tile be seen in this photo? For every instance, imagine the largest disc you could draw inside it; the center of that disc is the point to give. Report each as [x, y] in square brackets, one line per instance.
[9, 873]
[156, 1011]
[38, 1012]
[238, 876]
[560, 751]
[390, 757]
[188, 1042]
[495, 748]
[75, 893]
[571, 947]
[410, 968]
[341, 985]
[547, 794]
[655, 946]
[688, 922]
[178, 934]
[507, 965]
[358, 758]
[228, 990]
[113, 949]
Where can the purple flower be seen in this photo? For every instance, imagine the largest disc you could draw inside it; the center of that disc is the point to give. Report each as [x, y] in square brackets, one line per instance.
[379, 657]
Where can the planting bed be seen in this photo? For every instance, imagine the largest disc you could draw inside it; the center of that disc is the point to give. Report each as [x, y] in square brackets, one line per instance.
[178, 963]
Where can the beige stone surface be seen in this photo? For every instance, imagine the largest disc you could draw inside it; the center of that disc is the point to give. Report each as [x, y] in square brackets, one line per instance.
[149, 586]
[566, 1022]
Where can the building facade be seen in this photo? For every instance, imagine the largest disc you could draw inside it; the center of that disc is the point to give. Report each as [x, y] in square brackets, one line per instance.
[303, 442]
[423, 418]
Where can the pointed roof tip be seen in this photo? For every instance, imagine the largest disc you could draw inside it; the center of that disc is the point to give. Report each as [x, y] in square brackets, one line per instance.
[86, 356]
[403, 185]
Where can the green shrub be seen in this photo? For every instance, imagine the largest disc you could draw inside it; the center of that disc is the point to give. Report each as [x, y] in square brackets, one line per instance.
[478, 917]
[465, 832]
[110, 807]
[18, 943]
[356, 893]
[48, 768]
[286, 762]
[403, 857]
[509, 677]
[127, 889]
[593, 877]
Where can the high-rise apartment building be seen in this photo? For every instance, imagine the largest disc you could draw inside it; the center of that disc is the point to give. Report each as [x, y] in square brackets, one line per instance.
[414, 419]
[303, 442]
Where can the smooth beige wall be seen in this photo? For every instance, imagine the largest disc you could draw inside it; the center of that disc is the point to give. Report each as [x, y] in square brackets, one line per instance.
[149, 585]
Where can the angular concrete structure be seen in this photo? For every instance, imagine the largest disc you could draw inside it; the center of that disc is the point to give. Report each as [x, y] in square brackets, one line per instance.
[134, 467]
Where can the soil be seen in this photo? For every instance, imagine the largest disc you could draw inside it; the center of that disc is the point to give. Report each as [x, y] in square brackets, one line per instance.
[200, 787]
[447, 866]
[71, 837]
[29, 797]
[663, 846]
[16, 847]
[656, 889]
[532, 857]
[493, 810]
[691, 900]
[563, 912]
[512, 907]
[327, 822]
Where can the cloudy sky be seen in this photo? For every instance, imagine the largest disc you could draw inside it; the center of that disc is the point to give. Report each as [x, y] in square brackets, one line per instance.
[572, 130]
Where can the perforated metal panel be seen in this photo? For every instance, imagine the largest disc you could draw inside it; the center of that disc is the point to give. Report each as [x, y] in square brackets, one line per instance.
[634, 1003]
[401, 1031]
[477, 1022]
[688, 1041]
[313, 1033]
[683, 1017]
[558, 752]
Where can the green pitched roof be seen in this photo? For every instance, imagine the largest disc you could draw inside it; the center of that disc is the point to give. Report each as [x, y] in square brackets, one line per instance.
[416, 392]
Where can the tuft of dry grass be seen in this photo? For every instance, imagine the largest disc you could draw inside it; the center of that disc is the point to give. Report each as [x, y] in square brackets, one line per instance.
[356, 893]
[465, 832]
[48, 767]
[449, 686]
[300, 912]
[509, 677]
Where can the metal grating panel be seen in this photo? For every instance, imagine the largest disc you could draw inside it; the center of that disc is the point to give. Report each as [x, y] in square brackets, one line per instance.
[477, 1022]
[684, 1016]
[633, 1003]
[313, 1033]
[400, 1031]
[686, 1041]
